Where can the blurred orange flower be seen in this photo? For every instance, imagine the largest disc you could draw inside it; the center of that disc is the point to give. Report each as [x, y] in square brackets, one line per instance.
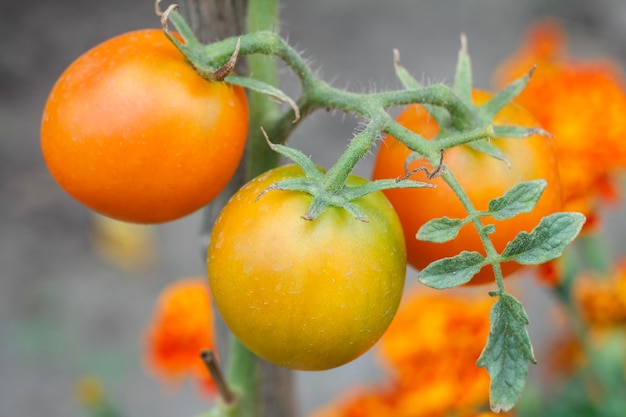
[602, 300]
[431, 348]
[181, 327]
[582, 103]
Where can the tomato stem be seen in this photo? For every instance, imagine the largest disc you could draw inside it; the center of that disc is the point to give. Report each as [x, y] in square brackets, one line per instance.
[474, 215]
[335, 179]
[243, 379]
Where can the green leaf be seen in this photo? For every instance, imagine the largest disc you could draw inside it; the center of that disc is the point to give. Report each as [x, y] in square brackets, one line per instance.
[440, 230]
[520, 198]
[266, 89]
[452, 272]
[489, 149]
[507, 353]
[546, 241]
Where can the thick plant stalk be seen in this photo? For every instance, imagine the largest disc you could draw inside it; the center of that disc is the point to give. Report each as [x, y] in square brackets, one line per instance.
[212, 20]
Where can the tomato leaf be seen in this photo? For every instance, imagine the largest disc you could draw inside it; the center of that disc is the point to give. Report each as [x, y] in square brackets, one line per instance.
[489, 149]
[452, 272]
[440, 230]
[521, 198]
[546, 241]
[264, 88]
[507, 353]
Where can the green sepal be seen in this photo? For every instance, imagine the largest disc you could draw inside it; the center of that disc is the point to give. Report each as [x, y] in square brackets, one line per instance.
[490, 149]
[546, 241]
[354, 192]
[190, 47]
[490, 109]
[518, 132]
[266, 89]
[322, 199]
[311, 170]
[183, 29]
[441, 115]
[463, 75]
[521, 198]
[507, 353]
[440, 230]
[452, 272]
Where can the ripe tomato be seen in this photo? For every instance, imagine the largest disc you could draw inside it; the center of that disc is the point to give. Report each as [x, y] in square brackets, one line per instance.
[133, 132]
[307, 295]
[482, 177]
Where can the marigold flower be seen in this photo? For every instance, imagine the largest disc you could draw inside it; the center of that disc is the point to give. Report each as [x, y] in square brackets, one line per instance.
[602, 300]
[431, 347]
[582, 103]
[181, 327]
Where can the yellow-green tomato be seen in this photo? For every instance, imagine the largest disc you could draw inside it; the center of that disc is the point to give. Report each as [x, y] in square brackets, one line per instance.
[307, 295]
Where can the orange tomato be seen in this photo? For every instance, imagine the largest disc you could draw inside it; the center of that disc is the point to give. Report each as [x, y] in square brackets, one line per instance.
[308, 295]
[482, 177]
[133, 132]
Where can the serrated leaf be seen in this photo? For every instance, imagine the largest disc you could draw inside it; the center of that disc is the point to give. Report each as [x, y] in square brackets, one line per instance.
[489, 149]
[520, 198]
[266, 89]
[507, 353]
[440, 230]
[452, 272]
[546, 241]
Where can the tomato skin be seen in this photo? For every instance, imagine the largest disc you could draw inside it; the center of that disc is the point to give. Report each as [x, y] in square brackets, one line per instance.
[308, 295]
[133, 132]
[482, 177]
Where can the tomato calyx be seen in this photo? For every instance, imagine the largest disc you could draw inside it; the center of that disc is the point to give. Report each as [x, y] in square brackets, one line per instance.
[212, 68]
[474, 126]
[328, 189]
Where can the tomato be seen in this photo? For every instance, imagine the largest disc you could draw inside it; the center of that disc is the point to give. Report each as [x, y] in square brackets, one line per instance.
[307, 295]
[482, 177]
[133, 132]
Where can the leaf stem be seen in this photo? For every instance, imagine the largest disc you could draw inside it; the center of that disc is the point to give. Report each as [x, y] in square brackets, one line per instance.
[474, 214]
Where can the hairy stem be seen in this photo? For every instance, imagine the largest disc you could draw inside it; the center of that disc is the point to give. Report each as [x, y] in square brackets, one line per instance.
[490, 249]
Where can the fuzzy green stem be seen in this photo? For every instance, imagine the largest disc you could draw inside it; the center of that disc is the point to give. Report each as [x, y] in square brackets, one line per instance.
[474, 214]
[243, 366]
[243, 380]
[360, 145]
[262, 16]
[463, 138]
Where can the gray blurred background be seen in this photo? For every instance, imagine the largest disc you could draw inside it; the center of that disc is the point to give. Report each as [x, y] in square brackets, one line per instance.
[66, 312]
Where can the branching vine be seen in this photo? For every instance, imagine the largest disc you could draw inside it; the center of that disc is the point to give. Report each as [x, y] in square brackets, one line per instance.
[508, 350]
